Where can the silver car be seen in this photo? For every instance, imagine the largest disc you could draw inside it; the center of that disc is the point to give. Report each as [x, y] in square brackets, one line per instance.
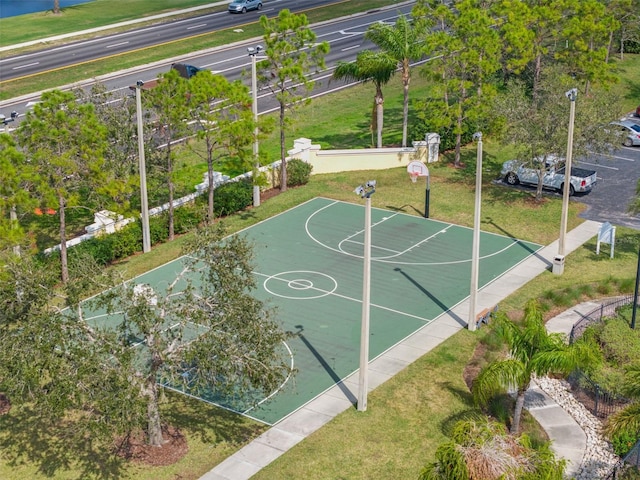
[629, 131]
[243, 6]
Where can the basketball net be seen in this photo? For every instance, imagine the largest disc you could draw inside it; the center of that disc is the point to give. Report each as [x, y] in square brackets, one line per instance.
[414, 176]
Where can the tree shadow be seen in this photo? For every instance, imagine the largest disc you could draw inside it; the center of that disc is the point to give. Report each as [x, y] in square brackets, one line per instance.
[25, 437]
[209, 423]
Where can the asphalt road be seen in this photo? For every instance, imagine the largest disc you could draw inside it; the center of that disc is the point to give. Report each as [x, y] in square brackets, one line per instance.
[77, 52]
[345, 36]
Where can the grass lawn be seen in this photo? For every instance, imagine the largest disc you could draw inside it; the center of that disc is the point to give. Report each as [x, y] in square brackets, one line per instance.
[408, 416]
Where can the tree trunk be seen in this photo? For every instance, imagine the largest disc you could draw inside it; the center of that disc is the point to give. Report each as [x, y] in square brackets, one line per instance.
[517, 413]
[379, 115]
[210, 199]
[150, 391]
[13, 216]
[536, 77]
[56, 7]
[154, 427]
[64, 264]
[406, 79]
[283, 165]
[171, 193]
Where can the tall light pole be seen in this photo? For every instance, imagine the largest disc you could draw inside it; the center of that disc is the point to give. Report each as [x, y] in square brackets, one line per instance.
[571, 95]
[365, 191]
[13, 214]
[475, 249]
[144, 202]
[253, 52]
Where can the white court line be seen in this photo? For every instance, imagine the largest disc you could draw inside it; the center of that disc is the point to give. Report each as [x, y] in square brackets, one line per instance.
[345, 297]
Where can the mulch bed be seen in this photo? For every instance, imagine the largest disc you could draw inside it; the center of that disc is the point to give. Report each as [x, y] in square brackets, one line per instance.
[135, 448]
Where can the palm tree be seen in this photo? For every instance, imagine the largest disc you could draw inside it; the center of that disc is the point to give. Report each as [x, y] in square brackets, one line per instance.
[402, 42]
[532, 351]
[376, 67]
[627, 419]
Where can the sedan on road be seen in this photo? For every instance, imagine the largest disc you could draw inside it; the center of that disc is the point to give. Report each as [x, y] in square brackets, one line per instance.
[243, 6]
[629, 131]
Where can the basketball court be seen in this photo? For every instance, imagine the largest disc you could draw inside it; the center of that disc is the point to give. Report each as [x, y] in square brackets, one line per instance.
[309, 266]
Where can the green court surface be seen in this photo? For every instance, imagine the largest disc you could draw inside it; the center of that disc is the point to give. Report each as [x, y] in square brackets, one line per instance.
[309, 265]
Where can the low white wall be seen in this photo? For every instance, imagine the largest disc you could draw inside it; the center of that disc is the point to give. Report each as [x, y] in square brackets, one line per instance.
[327, 161]
[331, 161]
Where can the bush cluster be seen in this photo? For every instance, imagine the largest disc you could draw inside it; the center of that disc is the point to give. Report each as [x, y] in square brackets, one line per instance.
[105, 249]
[298, 173]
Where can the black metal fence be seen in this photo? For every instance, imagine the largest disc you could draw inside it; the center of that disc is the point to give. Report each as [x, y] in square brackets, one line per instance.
[597, 400]
[605, 310]
[627, 468]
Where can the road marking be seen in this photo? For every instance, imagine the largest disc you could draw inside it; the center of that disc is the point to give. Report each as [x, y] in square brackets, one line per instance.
[26, 65]
[599, 165]
[116, 44]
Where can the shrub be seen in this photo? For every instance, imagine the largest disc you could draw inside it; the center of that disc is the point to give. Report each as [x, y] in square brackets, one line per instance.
[623, 442]
[232, 197]
[159, 228]
[187, 217]
[620, 344]
[99, 248]
[298, 172]
[127, 240]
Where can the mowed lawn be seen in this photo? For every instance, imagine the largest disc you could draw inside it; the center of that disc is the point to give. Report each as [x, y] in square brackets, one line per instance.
[411, 414]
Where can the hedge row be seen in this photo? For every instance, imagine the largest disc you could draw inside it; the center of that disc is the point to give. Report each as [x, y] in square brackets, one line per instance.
[229, 198]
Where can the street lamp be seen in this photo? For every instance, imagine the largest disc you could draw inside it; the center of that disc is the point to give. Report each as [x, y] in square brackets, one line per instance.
[253, 52]
[571, 95]
[13, 214]
[365, 191]
[475, 250]
[144, 203]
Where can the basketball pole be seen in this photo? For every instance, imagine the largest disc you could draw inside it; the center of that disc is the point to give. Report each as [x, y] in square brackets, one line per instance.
[475, 253]
[426, 198]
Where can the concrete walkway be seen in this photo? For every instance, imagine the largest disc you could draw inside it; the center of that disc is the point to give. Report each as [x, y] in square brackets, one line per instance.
[568, 439]
[319, 411]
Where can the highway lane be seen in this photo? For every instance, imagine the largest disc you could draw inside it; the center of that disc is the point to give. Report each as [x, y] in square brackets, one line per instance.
[346, 37]
[74, 53]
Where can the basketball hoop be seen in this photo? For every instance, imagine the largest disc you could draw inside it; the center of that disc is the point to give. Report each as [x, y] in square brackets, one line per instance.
[414, 176]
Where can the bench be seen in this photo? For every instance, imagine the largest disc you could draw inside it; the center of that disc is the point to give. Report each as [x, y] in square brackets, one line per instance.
[485, 315]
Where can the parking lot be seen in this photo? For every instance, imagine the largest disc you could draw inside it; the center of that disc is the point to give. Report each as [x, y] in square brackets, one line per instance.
[618, 176]
[609, 200]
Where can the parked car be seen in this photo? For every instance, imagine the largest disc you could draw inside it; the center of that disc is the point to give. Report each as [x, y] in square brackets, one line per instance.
[516, 171]
[629, 131]
[638, 111]
[243, 6]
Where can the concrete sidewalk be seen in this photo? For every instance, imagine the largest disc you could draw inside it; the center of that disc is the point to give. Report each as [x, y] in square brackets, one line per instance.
[319, 411]
[568, 439]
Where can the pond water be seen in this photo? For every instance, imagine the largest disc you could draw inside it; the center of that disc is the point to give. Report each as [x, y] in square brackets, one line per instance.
[13, 8]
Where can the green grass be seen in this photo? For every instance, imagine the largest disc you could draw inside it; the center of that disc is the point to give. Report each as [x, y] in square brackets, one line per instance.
[408, 416]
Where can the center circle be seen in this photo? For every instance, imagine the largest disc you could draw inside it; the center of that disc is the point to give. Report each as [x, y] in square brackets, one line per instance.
[306, 283]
